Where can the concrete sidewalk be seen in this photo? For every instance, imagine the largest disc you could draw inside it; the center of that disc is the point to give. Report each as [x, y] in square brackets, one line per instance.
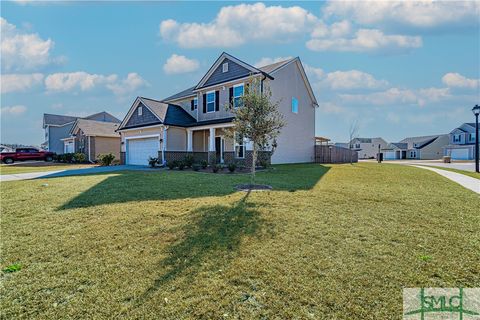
[463, 180]
[65, 173]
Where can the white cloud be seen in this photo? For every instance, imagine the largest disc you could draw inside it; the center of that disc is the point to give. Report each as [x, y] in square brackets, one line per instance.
[83, 81]
[267, 60]
[396, 96]
[330, 108]
[23, 51]
[180, 64]
[418, 14]
[19, 82]
[235, 25]
[313, 73]
[366, 40]
[13, 110]
[457, 80]
[353, 79]
[132, 82]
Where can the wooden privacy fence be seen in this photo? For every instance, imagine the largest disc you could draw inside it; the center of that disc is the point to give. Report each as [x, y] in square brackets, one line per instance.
[333, 154]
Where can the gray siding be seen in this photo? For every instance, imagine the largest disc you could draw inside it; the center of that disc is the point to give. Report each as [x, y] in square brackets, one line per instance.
[55, 136]
[103, 116]
[235, 71]
[186, 105]
[297, 139]
[223, 100]
[146, 118]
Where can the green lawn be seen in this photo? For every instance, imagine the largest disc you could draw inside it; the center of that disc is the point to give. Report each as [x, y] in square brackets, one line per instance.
[475, 175]
[330, 242]
[39, 167]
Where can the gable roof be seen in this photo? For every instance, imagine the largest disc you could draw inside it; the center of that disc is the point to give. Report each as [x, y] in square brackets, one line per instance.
[250, 70]
[166, 113]
[182, 94]
[419, 142]
[96, 128]
[56, 119]
[274, 66]
[61, 120]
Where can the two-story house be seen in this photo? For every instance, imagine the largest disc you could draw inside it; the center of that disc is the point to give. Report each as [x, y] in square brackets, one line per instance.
[461, 142]
[367, 148]
[57, 128]
[421, 148]
[194, 121]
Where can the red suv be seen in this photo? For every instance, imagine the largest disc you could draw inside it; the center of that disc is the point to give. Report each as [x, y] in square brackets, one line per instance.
[23, 154]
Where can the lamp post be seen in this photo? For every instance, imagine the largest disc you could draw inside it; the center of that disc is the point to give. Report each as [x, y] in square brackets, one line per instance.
[476, 112]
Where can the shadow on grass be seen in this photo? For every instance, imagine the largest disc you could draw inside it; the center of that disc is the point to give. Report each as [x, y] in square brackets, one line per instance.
[128, 186]
[210, 240]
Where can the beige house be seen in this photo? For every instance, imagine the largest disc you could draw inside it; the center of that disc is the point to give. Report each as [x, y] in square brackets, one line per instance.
[422, 148]
[194, 121]
[93, 138]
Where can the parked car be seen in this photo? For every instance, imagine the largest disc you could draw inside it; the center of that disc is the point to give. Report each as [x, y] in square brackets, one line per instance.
[23, 154]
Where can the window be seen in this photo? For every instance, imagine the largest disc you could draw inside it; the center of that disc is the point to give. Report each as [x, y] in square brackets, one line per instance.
[413, 154]
[357, 146]
[456, 138]
[294, 105]
[472, 137]
[225, 67]
[239, 146]
[194, 104]
[140, 110]
[237, 95]
[211, 101]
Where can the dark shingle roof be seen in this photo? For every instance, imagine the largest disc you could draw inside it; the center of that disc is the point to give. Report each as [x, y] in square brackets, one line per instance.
[97, 128]
[56, 119]
[185, 93]
[471, 124]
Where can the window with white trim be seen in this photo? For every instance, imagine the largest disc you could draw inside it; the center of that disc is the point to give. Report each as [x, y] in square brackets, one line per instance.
[239, 146]
[225, 67]
[195, 104]
[294, 105]
[456, 138]
[211, 101]
[237, 95]
[140, 110]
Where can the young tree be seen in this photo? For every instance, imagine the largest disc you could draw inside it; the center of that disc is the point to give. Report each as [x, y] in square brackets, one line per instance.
[257, 119]
[352, 134]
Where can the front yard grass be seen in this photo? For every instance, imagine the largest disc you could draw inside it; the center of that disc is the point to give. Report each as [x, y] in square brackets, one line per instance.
[39, 167]
[475, 175]
[329, 242]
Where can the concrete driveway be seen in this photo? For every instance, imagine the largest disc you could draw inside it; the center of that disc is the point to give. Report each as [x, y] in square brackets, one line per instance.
[64, 173]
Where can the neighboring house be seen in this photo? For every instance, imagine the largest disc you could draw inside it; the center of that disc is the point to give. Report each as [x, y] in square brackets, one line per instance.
[5, 149]
[57, 127]
[367, 148]
[421, 148]
[461, 143]
[194, 121]
[93, 138]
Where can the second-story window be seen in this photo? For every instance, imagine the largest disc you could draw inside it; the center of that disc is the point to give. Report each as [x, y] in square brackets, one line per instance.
[194, 104]
[237, 95]
[211, 101]
[472, 137]
[456, 138]
[294, 105]
[140, 110]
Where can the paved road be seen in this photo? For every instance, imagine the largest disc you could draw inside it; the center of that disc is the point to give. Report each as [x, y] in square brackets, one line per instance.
[64, 173]
[463, 180]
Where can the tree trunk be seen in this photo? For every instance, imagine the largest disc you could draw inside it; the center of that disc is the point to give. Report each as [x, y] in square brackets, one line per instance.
[254, 163]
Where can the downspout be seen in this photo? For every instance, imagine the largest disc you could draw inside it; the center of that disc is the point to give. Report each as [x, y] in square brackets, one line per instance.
[89, 150]
[261, 83]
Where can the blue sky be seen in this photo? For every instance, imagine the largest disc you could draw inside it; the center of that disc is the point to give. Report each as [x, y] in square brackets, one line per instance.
[398, 68]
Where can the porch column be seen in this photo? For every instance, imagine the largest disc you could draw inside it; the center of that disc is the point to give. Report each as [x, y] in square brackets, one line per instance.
[211, 146]
[189, 140]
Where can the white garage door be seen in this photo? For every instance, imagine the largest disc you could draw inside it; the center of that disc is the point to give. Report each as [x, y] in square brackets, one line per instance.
[460, 154]
[389, 155]
[139, 150]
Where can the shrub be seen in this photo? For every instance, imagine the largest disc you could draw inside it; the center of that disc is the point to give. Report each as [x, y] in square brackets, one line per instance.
[181, 165]
[263, 163]
[171, 164]
[231, 167]
[188, 160]
[204, 164]
[79, 157]
[152, 162]
[68, 157]
[215, 168]
[196, 167]
[105, 159]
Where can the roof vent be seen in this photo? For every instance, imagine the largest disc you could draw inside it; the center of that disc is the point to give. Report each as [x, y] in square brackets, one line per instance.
[225, 67]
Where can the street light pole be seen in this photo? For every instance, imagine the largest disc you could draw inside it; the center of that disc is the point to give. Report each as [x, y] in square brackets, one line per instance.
[476, 112]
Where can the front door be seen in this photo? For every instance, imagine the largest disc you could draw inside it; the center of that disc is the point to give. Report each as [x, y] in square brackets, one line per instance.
[219, 149]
